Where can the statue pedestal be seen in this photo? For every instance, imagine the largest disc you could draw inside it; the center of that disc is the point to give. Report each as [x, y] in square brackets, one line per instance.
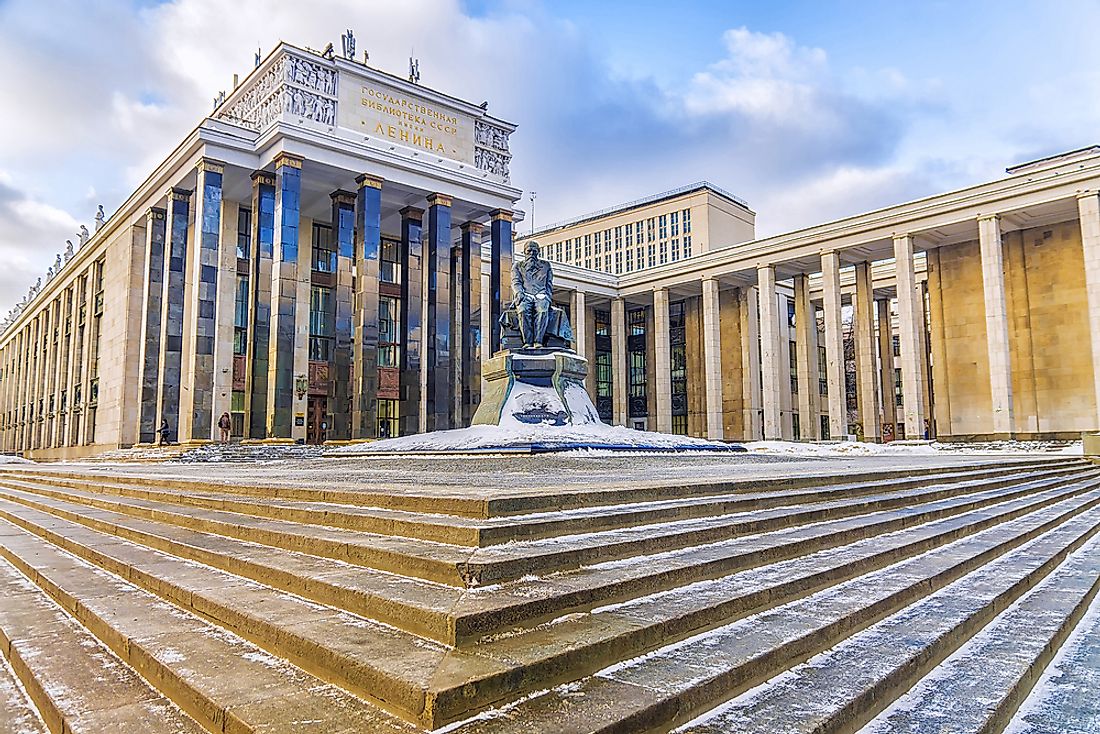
[536, 386]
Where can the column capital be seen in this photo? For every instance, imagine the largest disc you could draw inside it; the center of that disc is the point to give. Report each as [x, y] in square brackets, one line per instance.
[989, 218]
[504, 215]
[155, 212]
[369, 180]
[438, 199]
[1087, 194]
[412, 212]
[179, 194]
[343, 197]
[286, 159]
[263, 177]
[210, 165]
[471, 227]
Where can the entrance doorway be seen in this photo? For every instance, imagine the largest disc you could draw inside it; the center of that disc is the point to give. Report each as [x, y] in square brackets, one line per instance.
[316, 420]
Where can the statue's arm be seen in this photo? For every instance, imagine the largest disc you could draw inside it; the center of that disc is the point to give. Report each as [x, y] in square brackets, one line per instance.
[549, 282]
[517, 284]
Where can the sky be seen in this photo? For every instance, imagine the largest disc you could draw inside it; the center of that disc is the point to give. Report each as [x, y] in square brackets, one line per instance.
[809, 111]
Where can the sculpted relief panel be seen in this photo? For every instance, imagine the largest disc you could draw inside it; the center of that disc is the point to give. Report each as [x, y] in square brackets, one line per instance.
[295, 85]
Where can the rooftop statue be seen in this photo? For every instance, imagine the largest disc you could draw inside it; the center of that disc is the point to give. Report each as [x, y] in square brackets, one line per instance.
[83, 235]
[539, 322]
[100, 219]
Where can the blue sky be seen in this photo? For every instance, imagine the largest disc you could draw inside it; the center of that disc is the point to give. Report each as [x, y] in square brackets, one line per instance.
[808, 110]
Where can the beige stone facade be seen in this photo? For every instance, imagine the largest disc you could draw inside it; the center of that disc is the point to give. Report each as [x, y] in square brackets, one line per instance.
[225, 283]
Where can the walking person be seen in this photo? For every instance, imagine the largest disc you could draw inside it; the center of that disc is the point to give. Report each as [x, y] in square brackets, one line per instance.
[164, 431]
[225, 423]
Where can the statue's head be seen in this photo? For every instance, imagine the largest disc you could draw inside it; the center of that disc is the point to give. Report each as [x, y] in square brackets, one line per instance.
[532, 250]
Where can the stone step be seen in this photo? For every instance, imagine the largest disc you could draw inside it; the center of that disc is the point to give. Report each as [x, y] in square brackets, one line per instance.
[446, 615]
[681, 680]
[406, 556]
[980, 687]
[488, 610]
[18, 714]
[76, 683]
[458, 530]
[1065, 700]
[372, 660]
[844, 688]
[461, 566]
[221, 680]
[503, 563]
[452, 501]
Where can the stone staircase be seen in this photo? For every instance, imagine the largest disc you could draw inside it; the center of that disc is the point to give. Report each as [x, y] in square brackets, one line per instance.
[133, 602]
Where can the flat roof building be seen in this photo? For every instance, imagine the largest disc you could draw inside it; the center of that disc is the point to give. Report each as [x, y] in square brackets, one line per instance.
[325, 257]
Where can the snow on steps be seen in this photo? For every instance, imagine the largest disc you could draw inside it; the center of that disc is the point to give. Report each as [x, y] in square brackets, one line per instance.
[682, 613]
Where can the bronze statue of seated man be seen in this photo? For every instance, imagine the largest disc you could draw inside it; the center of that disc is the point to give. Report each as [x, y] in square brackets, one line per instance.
[533, 321]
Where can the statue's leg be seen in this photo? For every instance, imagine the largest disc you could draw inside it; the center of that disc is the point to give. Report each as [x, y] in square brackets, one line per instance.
[526, 319]
[542, 319]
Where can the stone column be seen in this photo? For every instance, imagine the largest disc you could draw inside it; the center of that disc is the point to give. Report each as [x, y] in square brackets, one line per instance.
[412, 304]
[259, 317]
[578, 314]
[770, 358]
[618, 361]
[751, 397]
[500, 273]
[805, 335]
[866, 375]
[834, 346]
[712, 359]
[910, 322]
[197, 419]
[1088, 208]
[469, 244]
[996, 325]
[284, 297]
[341, 389]
[368, 246]
[437, 325]
[153, 297]
[886, 368]
[171, 320]
[662, 353]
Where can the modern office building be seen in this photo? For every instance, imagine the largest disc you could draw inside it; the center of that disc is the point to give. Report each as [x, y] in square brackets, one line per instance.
[326, 255]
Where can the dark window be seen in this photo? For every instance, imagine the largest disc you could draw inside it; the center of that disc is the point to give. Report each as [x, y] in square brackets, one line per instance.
[388, 415]
[390, 266]
[320, 323]
[324, 254]
[244, 232]
[240, 316]
[389, 342]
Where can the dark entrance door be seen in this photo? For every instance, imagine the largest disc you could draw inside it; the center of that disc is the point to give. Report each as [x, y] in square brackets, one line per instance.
[316, 420]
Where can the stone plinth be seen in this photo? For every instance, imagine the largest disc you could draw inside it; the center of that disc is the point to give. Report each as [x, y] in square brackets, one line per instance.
[536, 386]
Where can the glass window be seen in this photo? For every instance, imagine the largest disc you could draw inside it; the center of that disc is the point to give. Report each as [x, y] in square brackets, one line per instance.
[390, 265]
[618, 237]
[240, 316]
[388, 415]
[389, 327]
[687, 246]
[675, 249]
[674, 220]
[244, 232]
[662, 225]
[686, 214]
[321, 316]
[324, 254]
[630, 235]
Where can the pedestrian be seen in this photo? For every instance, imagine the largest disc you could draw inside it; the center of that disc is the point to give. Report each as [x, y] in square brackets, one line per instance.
[225, 423]
[164, 430]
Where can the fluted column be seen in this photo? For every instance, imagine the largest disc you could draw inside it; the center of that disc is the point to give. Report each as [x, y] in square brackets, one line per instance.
[712, 359]
[770, 358]
[834, 346]
[284, 297]
[805, 337]
[866, 374]
[662, 352]
[618, 361]
[910, 322]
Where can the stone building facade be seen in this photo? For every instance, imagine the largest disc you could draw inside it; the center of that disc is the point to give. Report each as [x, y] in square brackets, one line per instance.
[326, 255]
